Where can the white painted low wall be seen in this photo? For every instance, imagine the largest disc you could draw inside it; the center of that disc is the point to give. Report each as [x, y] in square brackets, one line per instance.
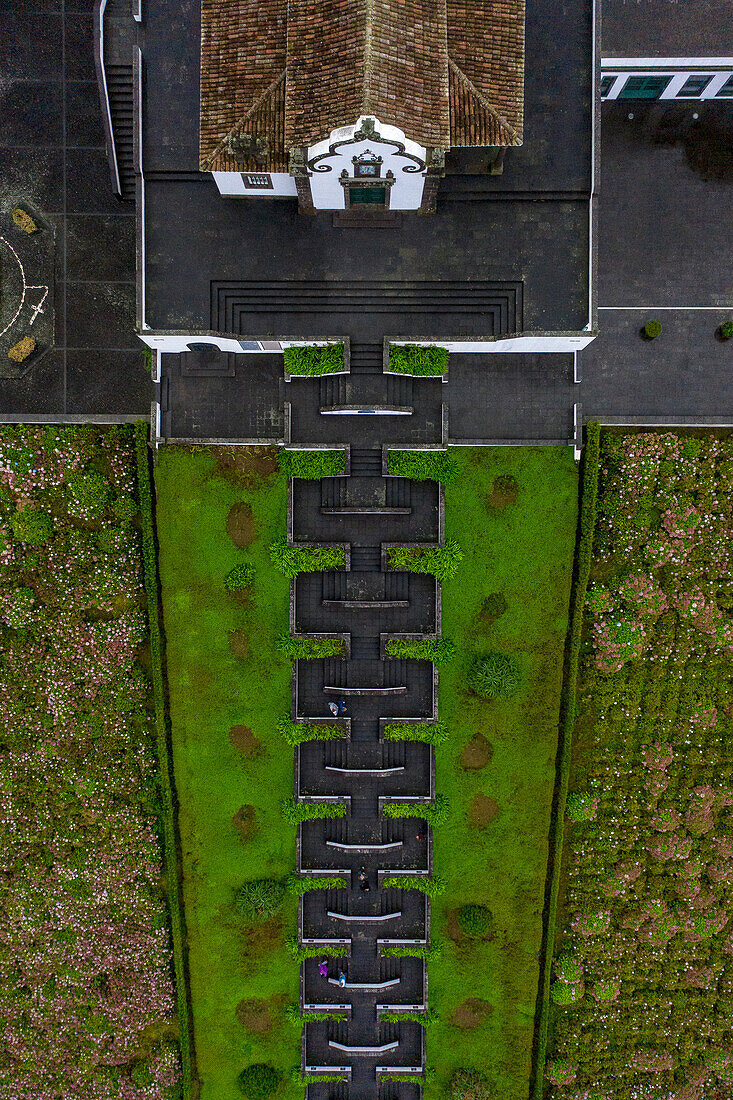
[532, 342]
[175, 343]
[232, 184]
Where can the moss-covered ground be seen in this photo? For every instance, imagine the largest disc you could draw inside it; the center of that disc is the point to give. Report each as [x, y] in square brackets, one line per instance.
[216, 684]
[498, 766]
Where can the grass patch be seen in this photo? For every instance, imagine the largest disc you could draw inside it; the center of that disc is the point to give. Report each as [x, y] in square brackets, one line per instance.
[211, 691]
[523, 551]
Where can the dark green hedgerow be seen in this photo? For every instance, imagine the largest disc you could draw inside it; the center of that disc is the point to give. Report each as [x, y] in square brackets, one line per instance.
[300, 886]
[434, 734]
[440, 561]
[433, 812]
[312, 465]
[420, 359]
[410, 952]
[295, 733]
[584, 556]
[309, 649]
[295, 812]
[437, 650]
[175, 904]
[423, 465]
[433, 887]
[314, 951]
[314, 359]
[291, 560]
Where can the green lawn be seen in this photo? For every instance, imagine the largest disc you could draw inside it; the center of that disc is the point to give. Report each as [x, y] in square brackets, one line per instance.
[212, 690]
[522, 550]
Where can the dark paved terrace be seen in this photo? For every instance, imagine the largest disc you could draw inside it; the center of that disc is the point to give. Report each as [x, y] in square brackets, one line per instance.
[52, 156]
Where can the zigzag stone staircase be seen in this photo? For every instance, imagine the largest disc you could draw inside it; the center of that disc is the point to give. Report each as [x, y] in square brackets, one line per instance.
[363, 1054]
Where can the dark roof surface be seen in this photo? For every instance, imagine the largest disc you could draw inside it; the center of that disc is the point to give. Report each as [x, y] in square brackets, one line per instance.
[288, 72]
[667, 28]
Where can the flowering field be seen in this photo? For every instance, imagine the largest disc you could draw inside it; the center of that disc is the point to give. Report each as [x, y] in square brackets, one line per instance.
[643, 989]
[86, 995]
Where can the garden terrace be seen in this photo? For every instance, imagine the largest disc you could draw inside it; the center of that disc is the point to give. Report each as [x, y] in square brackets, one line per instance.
[513, 511]
[229, 687]
[642, 971]
[87, 1001]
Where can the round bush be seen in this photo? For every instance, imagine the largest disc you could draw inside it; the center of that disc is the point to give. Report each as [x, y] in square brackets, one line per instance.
[90, 491]
[21, 612]
[32, 526]
[241, 576]
[469, 1084]
[495, 676]
[566, 993]
[726, 330]
[652, 329]
[125, 508]
[258, 1081]
[260, 898]
[581, 807]
[475, 921]
[568, 968]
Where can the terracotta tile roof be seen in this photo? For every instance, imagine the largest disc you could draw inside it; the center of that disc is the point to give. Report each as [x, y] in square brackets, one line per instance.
[288, 72]
[486, 42]
[348, 58]
[242, 52]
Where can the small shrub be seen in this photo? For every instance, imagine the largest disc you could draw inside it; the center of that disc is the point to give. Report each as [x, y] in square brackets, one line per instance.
[494, 676]
[32, 526]
[437, 650]
[295, 733]
[423, 465]
[260, 898]
[652, 329]
[241, 576]
[435, 734]
[300, 886]
[309, 649]
[313, 951]
[432, 887]
[417, 359]
[291, 560]
[312, 360]
[295, 812]
[566, 993]
[312, 465]
[726, 330]
[475, 921]
[470, 1084]
[436, 813]
[440, 561]
[568, 969]
[23, 220]
[125, 508]
[22, 350]
[560, 1072]
[89, 491]
[581, 807]
[409, 952]
[20, 612]
[259, 1081]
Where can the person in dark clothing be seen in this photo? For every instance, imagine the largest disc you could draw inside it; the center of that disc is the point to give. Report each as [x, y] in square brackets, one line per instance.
[342, 706]
[363, 881]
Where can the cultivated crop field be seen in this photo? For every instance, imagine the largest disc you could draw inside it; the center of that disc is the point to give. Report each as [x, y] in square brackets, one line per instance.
[643, 989]
[86, 992]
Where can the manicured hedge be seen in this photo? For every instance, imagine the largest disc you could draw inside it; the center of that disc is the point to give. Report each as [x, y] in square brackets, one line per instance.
[584, 555]
[312, 465]
[440, 561]
[409, 952]
[295, 733]
[417, 359]
[295, 812]
[299, 886]
[423, 465]
[437, 650]
[314, 951]
[175, 904]
[433, 887]
[432, 812]
[291, 560]
[314, 359]
[309, 649]
[435, 734]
